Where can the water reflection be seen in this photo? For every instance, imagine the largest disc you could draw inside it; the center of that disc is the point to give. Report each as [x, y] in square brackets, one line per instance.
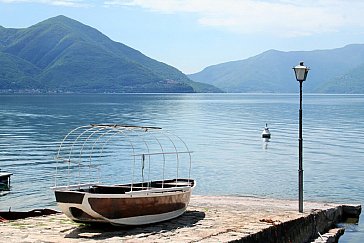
[266, 135]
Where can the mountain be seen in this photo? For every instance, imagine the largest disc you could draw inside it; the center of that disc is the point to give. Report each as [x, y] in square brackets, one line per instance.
[332, 71]
[351, 82]
[63, 55]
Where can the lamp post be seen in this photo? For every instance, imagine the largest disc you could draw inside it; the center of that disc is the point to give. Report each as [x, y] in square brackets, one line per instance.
[301, 75]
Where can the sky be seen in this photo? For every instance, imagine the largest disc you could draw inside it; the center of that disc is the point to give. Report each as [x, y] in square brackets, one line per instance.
[194, 34]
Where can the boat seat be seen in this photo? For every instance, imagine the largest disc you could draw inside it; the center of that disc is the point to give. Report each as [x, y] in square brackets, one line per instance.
[116, 189]
[174, 184]
[109, 189]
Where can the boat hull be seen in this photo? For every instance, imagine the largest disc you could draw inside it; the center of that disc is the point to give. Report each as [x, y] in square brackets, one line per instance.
[130, 208]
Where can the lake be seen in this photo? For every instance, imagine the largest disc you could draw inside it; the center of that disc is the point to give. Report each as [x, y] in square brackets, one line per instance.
[222, 130]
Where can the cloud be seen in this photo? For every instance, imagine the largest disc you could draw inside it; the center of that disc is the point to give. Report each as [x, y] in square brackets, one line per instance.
[66, 3]
[286, 18]
[276, 17]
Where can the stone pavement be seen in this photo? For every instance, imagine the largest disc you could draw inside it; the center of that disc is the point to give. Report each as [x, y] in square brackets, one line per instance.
[208, 219]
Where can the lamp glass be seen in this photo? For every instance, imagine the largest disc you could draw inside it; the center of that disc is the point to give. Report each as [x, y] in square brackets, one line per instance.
[301, 72]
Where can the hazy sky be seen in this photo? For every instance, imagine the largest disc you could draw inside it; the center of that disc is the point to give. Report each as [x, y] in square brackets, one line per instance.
[193, 34]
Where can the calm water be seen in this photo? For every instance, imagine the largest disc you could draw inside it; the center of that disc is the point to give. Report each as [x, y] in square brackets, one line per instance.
[223, 130]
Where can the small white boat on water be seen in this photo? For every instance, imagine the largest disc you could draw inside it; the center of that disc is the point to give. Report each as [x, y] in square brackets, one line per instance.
[136, 154]
[266, 132]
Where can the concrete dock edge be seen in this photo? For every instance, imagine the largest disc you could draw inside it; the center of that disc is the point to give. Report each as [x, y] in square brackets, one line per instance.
[319, 224]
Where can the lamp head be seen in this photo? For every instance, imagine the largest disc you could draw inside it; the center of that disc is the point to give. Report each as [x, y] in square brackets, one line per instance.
[301, 72]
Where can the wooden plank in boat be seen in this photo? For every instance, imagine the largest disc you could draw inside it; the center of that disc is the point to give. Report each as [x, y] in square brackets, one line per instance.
[178, 183]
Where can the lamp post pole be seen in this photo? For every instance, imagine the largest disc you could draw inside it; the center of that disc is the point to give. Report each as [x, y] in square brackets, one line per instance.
[301, 74]
[300, 158]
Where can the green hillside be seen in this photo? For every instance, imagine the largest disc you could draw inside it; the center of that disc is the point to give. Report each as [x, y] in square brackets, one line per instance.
[351, 82]
[63, 55]
[16, 73]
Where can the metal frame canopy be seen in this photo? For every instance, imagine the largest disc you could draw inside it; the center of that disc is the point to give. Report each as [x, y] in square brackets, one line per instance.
[133, 154]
